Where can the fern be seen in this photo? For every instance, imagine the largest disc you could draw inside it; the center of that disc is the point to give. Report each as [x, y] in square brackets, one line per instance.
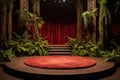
[82, 48]
[7, 55]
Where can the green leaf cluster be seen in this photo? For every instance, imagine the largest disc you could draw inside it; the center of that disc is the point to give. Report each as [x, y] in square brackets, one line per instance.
[6, 55]
[23, 47]
[87, 18]
[83, 48]
[113, 55]
[26, 18]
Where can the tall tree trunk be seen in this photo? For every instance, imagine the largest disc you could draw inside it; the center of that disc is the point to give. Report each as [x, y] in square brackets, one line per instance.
[3, 27]
[36, 7]
[36, 11]
[1, 2]
[91, 6]
[79, 8]
[9, 26]
[100, 28]
[23, 24]
[104, 21]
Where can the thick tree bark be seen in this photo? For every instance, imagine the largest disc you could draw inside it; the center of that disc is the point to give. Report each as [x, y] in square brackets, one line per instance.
[104, 21]
[36, 11]
[4, 16]
[91, 6]
[101, 27]
[1, 2]
[9, 26]
[79, 8]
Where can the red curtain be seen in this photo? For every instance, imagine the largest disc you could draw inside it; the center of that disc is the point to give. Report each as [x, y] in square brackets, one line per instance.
[60, 22]
[57, 33]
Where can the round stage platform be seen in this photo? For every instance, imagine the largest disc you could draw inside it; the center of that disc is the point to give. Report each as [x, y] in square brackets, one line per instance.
[21, 70]
[60, 62]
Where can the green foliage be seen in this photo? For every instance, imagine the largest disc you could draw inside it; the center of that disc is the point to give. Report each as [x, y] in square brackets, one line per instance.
[76, 46]
[26, 18]
[113, 55]
[81, 48]
[6, 55]
[104, 12]
[87, 18]
[23, 47]
[36, 6]
[88, 22]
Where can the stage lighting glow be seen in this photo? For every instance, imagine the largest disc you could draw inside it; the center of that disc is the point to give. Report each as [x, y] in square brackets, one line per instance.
[64, 0]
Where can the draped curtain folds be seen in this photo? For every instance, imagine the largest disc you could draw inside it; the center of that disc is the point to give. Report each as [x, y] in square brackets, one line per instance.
[60, 22]
[57, 33]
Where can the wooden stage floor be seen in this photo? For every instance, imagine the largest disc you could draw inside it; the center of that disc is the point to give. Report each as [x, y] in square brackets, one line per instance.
[18, 69]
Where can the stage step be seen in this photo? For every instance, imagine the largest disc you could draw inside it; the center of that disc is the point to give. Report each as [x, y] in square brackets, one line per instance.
[59, 49]
[59, 53]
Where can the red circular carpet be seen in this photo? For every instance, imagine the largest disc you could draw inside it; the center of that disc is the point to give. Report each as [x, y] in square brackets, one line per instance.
[60, 62]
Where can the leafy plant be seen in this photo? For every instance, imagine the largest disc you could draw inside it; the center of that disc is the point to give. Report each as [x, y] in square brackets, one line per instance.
[23, 47]
[88, 22]
[6, 55]
[76, 46]
[87, 18]
[26, 18]
[82, 48]
[113, 55]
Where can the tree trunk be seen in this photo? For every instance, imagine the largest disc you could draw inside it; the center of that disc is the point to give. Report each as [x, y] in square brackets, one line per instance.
[104, 21]
[100, 28]
[3, 27]
[36, 7]
[79, 8]
[36, 11]
[9, 26]
[91, 6]
[1, 7]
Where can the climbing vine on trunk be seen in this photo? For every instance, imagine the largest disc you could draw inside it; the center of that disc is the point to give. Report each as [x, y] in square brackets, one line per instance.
[104, 20]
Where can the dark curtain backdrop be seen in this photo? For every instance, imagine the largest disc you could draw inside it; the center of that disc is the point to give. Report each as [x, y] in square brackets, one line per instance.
[60, 22]
[115, 25]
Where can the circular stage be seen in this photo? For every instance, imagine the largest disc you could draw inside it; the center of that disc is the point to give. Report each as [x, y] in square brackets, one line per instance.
[60, 62]
[18, 68]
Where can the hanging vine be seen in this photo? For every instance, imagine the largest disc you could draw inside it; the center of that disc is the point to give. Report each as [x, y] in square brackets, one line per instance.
[88, 22]
[104, 20]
